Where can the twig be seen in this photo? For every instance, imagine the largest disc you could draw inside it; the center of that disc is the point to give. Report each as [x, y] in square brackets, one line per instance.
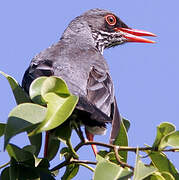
[123, 148]
[74, 154]
[111, 146]
[4, 165]
[171, 150]
[84, 163]
[61, 165]
[86, 166]
[79, 132]
[123, 164]
[65, 163]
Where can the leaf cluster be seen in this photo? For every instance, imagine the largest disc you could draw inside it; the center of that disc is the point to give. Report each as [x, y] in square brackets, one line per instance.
[49, 107]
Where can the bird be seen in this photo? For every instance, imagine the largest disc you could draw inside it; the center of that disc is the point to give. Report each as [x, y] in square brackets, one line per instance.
[78, 59]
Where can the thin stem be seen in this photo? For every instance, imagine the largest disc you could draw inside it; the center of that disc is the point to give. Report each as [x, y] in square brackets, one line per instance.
[84, 163]
[78, 131]
[4, 165]
[65, 163]
[79, 146]
[123, 164]
[123, 148]
[74, 154]
[61, 165]
[81, 133]
[86, 166]
[111, 146]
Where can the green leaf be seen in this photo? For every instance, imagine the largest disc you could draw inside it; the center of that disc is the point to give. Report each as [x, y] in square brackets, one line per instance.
[160, 176]
[5, 174]
[63, 132]
[162, 130]
[30, 148]
[102, 153]
[141, 171]
[20, 155]
[55, 173]
[155, 176]
[46, 176]
[23, 118]
[171, 139]
[56, 85]
[43, 163]
[60, 103]
[19, 94]
[125, 174]
[64, 152]
[35, 90]
[162, 163]
[100, 156]
[36, 141]
[42, 166]
[167, 176]
[53, 147]
[112, 157]
[14, 172]
[107, 155]
[106, 170]
[22, 163]
[126, 123]
[22, 170]
[71, 171]
[58, 110]
[122, 140]
[2, 128]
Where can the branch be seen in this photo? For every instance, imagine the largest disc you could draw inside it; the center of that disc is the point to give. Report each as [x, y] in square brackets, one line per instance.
[123, 148]
[4, 165]
[79, 132]
[111, 146]
[81, 162]
[61, 165]
[84, 163]
[123, 164]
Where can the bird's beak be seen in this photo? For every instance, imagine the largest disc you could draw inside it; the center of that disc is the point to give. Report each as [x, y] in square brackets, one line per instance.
[133, 35]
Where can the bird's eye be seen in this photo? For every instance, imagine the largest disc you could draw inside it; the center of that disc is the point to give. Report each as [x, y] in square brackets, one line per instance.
[110, 19]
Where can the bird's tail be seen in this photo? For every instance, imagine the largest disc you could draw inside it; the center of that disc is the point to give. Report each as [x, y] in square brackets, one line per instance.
[46, 144]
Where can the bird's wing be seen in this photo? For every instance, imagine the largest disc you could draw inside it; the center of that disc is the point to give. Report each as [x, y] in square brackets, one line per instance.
[35, 70]
[99, 98]
[100, 90]
[116, 120]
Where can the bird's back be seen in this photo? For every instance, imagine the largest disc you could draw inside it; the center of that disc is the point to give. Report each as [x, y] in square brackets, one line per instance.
[84, 70]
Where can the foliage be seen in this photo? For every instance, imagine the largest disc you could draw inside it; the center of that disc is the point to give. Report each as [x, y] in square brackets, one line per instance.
[49, 107]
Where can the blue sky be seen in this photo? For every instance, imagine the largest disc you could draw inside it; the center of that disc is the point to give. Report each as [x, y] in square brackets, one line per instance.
[145, 75]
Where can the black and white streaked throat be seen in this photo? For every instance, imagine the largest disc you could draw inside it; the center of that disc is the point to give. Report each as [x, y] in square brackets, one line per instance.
[104, 39]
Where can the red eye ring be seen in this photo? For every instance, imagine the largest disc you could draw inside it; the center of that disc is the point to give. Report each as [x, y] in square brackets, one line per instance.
[110, 19]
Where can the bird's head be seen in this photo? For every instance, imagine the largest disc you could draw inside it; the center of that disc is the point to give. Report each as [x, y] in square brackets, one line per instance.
[107, 29]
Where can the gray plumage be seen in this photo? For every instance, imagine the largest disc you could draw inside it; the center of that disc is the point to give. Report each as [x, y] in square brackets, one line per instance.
[77, 58]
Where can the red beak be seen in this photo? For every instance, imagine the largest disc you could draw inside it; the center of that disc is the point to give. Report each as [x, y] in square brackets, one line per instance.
[133, 35]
